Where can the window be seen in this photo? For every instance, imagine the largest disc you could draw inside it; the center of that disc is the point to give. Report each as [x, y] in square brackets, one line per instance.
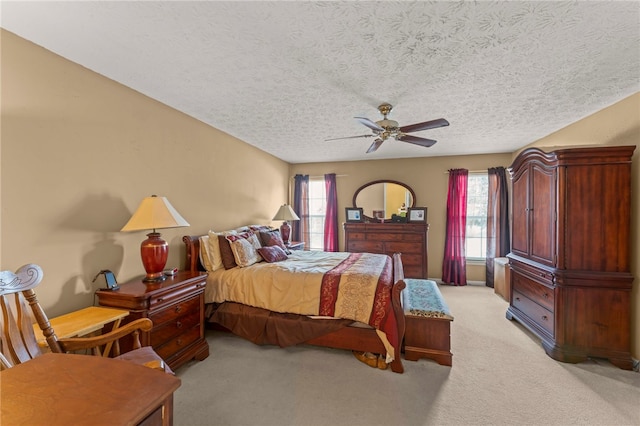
[477, 198]
[317, 211]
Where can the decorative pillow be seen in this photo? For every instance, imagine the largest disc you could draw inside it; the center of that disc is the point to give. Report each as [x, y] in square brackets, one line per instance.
[228, 260]
[272, 254]
[273, 238]
[215, 256]
[244, 247]
[259, 228]
[205, 257]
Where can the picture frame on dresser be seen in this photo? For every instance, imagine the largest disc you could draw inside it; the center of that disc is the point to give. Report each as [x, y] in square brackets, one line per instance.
[417, 214]
[354, 214]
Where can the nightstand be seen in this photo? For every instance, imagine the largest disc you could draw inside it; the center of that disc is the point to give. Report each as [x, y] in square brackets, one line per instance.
[176, 307]
[296, 245]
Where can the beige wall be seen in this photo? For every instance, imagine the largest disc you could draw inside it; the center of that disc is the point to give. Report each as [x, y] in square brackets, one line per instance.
[79, 153]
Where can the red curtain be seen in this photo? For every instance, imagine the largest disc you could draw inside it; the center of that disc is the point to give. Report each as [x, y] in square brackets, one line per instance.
[300, 228]
[454, 263]
[498, 239]
[331, 214]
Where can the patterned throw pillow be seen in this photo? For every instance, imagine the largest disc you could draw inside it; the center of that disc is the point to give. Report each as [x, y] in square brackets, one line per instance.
[273, 238]
[245, 247]
[272, 254]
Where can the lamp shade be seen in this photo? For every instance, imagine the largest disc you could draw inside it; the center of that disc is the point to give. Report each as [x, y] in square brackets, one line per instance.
[154, 213]
[285, 212]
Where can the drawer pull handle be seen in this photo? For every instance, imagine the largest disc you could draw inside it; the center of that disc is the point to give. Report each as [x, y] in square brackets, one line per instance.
[545, 318]
[160, 299]
[178, 308]
[545, 295]
[200, 285]
[518, 299]
[178, 324]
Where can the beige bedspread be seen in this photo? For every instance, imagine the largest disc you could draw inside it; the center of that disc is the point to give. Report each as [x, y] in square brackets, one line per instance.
[355, 286]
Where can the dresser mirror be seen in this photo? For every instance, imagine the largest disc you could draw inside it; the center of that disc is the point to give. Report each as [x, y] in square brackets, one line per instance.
[381, 199]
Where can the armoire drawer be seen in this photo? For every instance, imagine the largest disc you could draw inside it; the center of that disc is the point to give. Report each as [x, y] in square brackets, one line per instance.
[541, 316]
[536, 291]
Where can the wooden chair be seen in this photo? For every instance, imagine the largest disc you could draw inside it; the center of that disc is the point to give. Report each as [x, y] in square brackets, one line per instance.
[20, 310]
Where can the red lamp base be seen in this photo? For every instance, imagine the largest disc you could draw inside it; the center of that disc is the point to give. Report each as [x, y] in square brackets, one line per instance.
[154, 251]
[285, 232]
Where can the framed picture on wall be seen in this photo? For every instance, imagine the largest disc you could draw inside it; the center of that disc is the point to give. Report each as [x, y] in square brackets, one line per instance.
[354, 214]
[417, 214]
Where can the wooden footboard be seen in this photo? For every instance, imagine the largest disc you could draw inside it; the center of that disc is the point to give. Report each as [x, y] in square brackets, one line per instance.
[349, 338]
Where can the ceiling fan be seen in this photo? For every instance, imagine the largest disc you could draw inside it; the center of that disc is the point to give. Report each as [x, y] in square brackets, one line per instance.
[386, 128]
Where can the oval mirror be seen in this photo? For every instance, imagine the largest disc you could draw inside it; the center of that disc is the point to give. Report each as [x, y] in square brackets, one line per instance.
[382, 198]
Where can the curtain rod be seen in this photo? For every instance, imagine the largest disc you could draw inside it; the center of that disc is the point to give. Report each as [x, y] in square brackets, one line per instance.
[471, 171]
[320, 176]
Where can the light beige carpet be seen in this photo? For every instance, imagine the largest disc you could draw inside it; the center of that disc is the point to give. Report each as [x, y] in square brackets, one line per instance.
[500, 376]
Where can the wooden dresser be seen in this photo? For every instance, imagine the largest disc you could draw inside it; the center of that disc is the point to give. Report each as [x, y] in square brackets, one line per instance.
[176, 307]
[570, 259]
[410, 239]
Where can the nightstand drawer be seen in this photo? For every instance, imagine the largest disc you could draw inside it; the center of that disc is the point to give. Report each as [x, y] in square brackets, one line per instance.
[174, 327]
[174, 311]
[178, 343]
[176, 293]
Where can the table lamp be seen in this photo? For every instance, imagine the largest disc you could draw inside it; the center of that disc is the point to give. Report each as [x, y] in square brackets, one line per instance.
[154, 213]
[286, 213]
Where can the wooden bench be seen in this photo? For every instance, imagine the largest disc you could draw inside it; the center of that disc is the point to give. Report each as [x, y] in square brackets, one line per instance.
[427, 322]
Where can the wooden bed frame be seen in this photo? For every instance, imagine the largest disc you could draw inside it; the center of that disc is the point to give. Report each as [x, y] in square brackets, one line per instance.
[349, 338]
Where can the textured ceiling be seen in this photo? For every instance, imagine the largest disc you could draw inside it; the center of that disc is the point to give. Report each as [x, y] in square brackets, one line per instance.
[284, 76]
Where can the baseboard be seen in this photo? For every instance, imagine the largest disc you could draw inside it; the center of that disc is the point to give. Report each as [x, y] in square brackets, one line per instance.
[469, 282]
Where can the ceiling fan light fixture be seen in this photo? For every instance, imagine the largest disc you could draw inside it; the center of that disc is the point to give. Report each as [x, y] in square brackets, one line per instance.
[386, 128]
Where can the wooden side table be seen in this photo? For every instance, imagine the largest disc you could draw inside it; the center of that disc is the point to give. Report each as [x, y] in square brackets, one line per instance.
[66, 389]
[82, 323]
[176, 307]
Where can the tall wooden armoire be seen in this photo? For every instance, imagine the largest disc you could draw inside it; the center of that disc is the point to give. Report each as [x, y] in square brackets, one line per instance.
[570, 259]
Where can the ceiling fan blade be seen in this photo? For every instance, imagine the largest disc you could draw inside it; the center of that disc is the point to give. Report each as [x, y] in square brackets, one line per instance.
[416, 140]
[370, 124]
[440, 122]
[350, 137]
[375, 145]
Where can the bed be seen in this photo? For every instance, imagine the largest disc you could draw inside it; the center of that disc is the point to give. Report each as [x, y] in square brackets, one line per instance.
[337, 278]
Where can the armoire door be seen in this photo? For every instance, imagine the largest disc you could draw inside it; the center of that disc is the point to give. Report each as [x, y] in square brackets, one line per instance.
[520, 227]
[542, 214]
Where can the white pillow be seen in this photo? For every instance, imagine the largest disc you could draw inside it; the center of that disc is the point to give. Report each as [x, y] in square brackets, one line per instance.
[205, 258]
